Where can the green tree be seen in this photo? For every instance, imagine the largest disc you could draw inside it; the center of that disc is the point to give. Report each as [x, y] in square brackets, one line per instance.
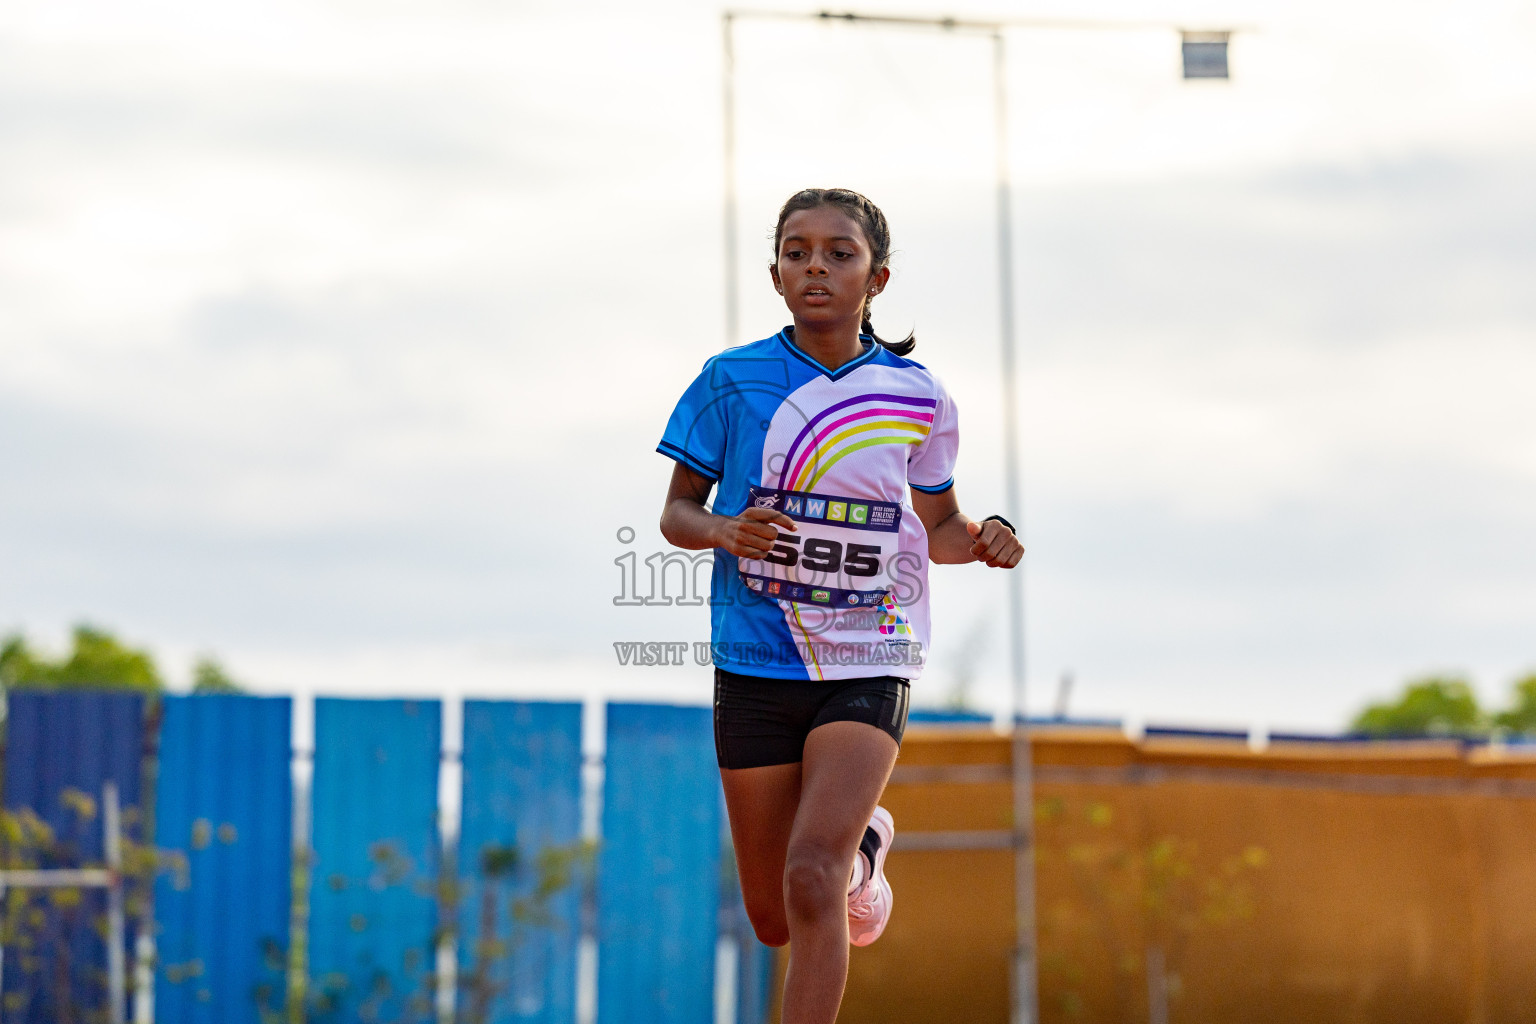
[18, 665]
[97, 661]
[208, 676]
[1521, 715]
[1431, 706]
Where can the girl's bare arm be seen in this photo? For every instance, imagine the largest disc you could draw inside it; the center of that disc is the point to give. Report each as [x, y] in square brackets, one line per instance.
[686, 523]
[954, 538]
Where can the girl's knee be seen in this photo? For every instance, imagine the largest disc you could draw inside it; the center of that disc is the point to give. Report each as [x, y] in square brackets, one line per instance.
[814, 881]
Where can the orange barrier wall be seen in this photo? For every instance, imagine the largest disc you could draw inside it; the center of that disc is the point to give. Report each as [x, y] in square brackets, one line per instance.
[1362, 883]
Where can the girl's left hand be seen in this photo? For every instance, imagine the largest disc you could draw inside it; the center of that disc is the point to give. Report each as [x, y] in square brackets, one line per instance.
[995, 544]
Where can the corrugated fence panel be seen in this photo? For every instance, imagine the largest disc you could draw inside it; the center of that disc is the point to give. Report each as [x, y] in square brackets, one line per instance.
[520, 844]
[659, 867]
[372, 896]
[60, 748]
[224, 802]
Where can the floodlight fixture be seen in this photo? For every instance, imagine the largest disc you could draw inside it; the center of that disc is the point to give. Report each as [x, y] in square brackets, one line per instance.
[1205, 54]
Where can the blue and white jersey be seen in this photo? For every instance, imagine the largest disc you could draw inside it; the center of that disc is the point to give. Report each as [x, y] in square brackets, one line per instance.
[846, 595]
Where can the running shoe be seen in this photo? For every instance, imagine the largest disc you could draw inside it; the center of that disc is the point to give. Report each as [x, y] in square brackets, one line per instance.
[869, 899]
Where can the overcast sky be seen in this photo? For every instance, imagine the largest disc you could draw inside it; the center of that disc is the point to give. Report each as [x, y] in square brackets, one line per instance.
[335, 337]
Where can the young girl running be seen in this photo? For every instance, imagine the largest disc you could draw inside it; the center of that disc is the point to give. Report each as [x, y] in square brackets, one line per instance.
[820, 621]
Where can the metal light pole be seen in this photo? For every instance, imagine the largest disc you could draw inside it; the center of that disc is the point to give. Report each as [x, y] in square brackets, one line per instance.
[1025, 959]
[1201, 59]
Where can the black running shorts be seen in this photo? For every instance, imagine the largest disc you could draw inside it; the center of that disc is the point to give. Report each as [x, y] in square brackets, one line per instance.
[760, 722]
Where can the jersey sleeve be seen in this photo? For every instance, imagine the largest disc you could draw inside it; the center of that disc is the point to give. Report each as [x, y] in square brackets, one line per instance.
[695, 434]
[931, 467]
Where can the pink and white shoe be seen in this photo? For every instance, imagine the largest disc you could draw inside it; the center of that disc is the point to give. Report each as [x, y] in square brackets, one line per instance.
[869, 897]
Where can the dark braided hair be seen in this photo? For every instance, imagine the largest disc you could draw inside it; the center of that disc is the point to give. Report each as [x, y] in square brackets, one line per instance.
[876, 230]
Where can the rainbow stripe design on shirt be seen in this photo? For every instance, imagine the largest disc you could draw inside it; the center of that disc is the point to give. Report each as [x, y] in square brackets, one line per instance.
[842, 429]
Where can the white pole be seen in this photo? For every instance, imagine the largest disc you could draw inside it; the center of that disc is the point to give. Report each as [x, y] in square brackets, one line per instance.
[144, 974]
[116, 988]
[55, 878]
[1024, 967]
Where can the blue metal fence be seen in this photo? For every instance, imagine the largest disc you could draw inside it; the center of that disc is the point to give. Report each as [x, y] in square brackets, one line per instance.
[224, 811]
[520, 862]
[224, 804]
[372, 895]
[659, 868]
[61, 748]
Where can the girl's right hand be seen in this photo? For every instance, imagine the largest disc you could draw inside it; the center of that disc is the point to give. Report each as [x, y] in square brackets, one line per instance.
[752, 534]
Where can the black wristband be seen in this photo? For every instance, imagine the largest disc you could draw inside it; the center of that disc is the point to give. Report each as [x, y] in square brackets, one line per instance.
[1005, 522]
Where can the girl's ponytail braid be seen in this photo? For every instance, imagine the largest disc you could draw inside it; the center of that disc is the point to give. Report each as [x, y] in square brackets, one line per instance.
[878, 231]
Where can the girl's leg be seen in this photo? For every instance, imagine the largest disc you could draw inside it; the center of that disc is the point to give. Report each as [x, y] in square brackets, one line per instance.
[761, 804]
[844, 771]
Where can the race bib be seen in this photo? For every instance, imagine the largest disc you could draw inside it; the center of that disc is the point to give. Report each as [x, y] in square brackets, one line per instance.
[837, 558]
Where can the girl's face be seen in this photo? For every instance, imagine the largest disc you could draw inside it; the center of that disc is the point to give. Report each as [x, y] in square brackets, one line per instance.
[823, 269]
